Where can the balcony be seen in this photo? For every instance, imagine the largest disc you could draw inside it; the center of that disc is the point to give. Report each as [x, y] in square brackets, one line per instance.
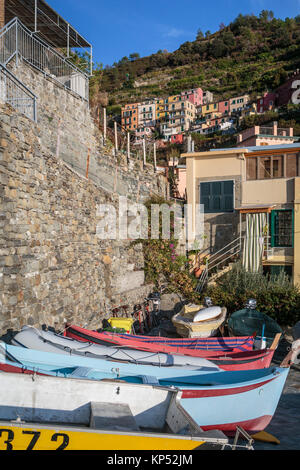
[17, 41]
[45, 23]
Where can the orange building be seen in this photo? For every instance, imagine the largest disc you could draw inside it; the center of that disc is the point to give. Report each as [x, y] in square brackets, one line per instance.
[130, 116]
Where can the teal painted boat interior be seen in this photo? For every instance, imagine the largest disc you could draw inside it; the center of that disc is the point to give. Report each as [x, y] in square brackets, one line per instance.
[249, 321]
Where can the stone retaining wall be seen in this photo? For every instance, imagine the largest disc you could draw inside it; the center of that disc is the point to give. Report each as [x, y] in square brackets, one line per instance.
[53, 266]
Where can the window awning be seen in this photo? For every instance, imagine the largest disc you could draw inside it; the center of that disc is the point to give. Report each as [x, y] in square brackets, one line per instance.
[39, 17]
[257, 208]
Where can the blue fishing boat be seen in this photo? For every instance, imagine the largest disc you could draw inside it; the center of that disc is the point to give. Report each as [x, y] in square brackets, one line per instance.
[215, 399]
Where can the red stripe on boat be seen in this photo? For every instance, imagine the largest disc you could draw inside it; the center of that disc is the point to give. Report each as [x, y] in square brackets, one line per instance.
[251, 426]
[221, 392]
[18, 369]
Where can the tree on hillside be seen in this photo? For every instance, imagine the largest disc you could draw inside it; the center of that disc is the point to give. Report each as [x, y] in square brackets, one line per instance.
[134, 56]
[200, 35]
[266, 15]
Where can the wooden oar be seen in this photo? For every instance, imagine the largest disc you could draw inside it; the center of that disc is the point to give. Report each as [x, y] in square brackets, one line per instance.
[275, 341]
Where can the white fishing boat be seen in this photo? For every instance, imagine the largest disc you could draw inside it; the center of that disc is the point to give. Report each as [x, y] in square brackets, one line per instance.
[49, 341]
[53, 413]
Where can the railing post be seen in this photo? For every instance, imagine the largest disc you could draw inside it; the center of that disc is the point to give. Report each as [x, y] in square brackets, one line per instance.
[34, 110]
[17, 48]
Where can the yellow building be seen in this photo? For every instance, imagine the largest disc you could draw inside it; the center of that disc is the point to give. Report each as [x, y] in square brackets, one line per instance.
[176, 117]
[238, 103]
[164, 106]
[211, 108]
[251, 203]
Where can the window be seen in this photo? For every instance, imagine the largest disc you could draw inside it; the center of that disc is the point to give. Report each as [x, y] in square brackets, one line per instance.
[274, 270]
[270, 167]
[292, 165]
[277, 163]
[217, 196]
[282, 223]
[265, 167]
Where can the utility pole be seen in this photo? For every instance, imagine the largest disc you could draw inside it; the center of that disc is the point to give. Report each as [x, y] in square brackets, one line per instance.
[144, 151]
[104, 126]
[154, 156]
[116, 137]
[128, 146]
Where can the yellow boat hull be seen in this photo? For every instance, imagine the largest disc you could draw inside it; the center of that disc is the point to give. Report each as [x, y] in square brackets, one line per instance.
[44, 437]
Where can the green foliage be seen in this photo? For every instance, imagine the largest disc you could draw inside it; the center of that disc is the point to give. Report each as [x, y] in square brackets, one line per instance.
[269, 45]
[275, 295]
[163, 264]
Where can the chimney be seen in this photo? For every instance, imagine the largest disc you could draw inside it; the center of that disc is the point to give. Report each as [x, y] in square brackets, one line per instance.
[275, 125]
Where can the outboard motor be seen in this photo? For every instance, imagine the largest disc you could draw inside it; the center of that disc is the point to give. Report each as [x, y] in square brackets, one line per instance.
[251, 304]
[208, 302]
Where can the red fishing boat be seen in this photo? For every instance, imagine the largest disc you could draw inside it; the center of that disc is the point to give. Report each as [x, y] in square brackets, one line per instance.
[192, 346]
[235, 355]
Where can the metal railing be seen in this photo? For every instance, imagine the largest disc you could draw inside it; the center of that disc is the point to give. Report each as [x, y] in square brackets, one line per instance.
[270, 131]
[219, 260]
[15, 93]
[17, 40]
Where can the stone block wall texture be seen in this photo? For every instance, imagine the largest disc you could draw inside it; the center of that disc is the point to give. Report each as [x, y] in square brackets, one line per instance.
[2, 13]
[53, 266]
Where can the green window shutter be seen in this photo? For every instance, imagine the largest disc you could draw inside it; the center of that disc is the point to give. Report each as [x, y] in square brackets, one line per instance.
[217, 196]
[282, 228]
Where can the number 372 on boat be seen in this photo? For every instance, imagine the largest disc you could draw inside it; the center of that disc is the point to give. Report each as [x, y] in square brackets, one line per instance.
[43, 437]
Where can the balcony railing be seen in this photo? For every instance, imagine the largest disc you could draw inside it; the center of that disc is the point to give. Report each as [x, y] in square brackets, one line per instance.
[15, 93]
[270, 131]
[16, 40]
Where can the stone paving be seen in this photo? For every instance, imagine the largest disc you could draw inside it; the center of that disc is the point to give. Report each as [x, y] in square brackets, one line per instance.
[285, 424]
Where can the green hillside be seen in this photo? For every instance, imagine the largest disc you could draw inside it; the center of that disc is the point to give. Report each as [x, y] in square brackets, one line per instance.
[250, 55]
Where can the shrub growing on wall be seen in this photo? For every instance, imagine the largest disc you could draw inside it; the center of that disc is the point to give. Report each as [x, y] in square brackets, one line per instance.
[162, 263]
[275, 295]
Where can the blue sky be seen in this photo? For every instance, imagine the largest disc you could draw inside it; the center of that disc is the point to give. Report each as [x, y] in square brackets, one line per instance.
[117, 28]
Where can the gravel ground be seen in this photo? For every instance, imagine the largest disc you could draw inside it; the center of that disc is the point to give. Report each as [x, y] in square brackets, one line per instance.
[285, 424]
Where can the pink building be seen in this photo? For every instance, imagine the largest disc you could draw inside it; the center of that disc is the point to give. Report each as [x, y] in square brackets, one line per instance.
[264, 135]
[195, 96]
[181, 181]
[177, 139]
[224, 107]
[266, 102]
